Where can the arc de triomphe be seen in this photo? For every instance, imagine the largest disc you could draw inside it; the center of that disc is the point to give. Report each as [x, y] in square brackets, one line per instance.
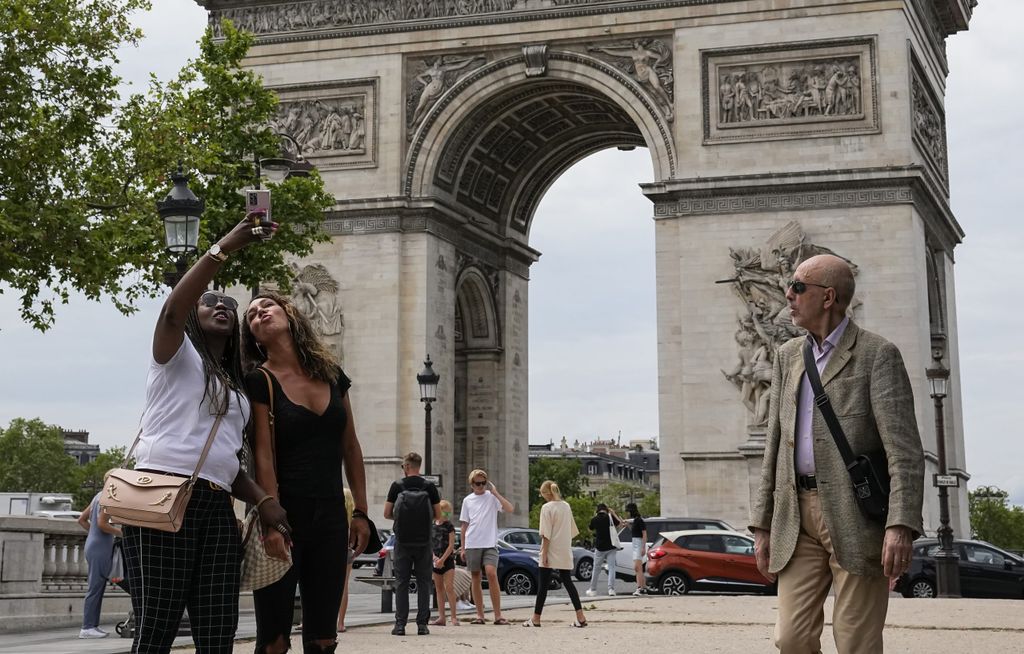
[777, 129]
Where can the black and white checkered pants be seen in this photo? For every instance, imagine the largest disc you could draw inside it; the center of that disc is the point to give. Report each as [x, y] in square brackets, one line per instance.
[196, 568]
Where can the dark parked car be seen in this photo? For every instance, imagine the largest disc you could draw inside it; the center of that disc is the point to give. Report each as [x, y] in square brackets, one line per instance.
[529, 540]
[985, 571]
[681, 561]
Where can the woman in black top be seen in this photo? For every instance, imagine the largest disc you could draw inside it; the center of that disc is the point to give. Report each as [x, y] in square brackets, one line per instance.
[314, 437]
[638, 532]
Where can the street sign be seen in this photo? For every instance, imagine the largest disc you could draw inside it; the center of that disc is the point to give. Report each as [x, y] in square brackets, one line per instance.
[951, 481]
[434, 479]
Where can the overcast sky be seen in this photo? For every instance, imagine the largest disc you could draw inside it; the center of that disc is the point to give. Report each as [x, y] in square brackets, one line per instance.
[593, 364]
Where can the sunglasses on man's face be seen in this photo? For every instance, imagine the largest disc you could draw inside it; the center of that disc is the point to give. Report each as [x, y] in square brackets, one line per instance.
[800, 287]
[212, 299]
[479, 483]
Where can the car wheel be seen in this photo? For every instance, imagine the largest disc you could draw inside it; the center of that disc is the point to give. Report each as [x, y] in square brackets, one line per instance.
[585, 569]
[674, 583]
[922, 587]
[412, 586]
[519, 582]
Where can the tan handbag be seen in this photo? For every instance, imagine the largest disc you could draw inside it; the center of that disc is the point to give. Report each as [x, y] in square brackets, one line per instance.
[259, 569]
[149, 499]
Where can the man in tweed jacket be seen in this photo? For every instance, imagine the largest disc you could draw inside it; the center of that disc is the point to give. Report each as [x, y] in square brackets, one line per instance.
[806, 523]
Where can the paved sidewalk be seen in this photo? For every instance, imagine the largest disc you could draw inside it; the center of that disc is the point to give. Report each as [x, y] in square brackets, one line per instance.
[692, 623]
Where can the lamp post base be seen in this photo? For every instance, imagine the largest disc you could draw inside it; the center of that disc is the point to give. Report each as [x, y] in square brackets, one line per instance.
[947, 573]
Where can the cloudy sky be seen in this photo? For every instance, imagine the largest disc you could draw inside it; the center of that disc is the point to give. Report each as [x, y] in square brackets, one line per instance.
[597, 237]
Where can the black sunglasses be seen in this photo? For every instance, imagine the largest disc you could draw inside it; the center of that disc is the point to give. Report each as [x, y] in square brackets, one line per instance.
[800, 287]
[479, 483]
[210, 299]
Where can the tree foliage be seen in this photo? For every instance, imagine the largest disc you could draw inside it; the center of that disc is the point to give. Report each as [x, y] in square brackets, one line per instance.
[32, 458]
[618, 494]
[83, 171]
[563, 471]
[994, 519]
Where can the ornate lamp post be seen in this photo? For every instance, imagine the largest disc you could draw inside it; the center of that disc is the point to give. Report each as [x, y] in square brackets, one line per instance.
[428, 394]
[947, 561]
[180, 212]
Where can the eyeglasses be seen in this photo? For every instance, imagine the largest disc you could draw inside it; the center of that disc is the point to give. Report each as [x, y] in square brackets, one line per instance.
[210, 299]
[479, 483]
[800, 287]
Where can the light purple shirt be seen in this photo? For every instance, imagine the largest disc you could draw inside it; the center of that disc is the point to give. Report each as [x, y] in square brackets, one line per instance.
[805, 400]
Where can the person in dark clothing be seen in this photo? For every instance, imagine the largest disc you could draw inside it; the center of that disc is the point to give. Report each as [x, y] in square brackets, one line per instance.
[602, 525]
[638, 532]
[299, 452]
[413, 551]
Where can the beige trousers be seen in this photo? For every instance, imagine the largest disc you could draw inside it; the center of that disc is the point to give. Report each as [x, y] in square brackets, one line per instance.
[861, 602]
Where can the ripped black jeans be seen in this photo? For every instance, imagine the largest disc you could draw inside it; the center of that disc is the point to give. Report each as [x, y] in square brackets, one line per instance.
[319, 556]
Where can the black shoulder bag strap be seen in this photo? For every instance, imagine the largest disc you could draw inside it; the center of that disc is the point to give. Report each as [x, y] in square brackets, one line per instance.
[825, 406]
[868, 472]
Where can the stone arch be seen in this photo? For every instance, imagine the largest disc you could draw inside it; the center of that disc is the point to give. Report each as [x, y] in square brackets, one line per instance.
[495, 141]
[476, 316]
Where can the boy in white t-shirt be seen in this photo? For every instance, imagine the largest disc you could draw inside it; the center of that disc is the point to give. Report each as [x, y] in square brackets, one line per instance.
[479, 518]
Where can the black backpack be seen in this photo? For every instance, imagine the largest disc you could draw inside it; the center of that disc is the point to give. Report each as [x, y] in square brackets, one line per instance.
[414, 515]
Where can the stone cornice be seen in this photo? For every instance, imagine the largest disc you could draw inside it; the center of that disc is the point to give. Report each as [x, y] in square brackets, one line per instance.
[806, 191]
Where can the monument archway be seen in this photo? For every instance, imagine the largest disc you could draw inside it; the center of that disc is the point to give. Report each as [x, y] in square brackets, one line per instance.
[776, 129]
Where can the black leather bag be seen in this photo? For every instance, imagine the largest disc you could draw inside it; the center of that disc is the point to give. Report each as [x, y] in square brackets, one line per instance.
[868, 472]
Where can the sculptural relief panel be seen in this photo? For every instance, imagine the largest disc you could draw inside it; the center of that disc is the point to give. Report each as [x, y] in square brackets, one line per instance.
[790, 91]
[333, 124]
[928, 123]
[759, 281]
[429, 78]
[648, 62]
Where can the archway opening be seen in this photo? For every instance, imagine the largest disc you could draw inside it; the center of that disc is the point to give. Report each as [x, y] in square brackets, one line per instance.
[593, 325]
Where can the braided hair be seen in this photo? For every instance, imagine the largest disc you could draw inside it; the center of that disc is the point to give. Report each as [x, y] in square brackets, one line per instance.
[227, 370]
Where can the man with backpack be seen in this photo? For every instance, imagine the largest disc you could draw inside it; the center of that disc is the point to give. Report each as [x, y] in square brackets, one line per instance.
[413, 504]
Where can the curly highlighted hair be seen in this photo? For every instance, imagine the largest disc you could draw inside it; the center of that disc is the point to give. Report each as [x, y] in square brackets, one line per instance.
[315, 357]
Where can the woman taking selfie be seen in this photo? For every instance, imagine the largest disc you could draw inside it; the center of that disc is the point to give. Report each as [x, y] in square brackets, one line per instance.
[194, 389]
[299, 459]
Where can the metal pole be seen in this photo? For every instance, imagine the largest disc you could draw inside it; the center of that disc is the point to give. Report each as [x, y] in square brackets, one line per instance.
[947, 560]
[427, 434]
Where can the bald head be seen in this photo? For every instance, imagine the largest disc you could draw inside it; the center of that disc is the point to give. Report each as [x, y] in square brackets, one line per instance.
[830, 270]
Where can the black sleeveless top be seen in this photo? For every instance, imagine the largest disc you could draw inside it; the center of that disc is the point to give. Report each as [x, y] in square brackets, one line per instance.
[309, 446]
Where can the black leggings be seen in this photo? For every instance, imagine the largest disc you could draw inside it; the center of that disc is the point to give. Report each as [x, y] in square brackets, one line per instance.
[545, 581]
[319, 555]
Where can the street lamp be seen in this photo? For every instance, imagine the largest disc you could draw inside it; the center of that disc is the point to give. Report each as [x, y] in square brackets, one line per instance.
[288, 162]
[180, 212]
[947, 561]
[428, 394]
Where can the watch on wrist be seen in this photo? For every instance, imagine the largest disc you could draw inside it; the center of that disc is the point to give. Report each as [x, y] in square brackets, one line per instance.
[217, 254]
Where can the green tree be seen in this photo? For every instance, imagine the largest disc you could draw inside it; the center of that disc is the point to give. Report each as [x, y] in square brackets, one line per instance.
[994, 519]
[32, 458]
[650, 505]
[83, 171]
[89, 478]
[618, 494]
[563, 471]
[583, 509]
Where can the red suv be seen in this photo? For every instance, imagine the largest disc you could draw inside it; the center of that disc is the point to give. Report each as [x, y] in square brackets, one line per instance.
[681, 561]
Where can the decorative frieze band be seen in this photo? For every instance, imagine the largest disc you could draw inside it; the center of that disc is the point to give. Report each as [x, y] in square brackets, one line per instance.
[783, 201]
[928, 123]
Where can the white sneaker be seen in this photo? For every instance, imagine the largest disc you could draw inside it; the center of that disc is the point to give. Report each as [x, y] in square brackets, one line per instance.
[611, 592]
[591, 593]
[638, 592]
[94, 632]
[463, 606]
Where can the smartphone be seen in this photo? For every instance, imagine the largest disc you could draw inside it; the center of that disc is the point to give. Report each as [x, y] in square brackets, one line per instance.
[258, 200]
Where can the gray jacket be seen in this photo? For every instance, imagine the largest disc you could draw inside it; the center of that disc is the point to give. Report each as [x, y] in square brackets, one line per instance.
[870, 391]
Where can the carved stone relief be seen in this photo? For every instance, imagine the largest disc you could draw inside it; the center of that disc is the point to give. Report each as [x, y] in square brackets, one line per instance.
[790, 91]
[333, 123]
[315, 294]
[649, 62]
[429, 79]
[759, 280]
[929, 123]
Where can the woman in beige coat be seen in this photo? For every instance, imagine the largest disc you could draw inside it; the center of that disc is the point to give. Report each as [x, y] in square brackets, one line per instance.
[557, 529]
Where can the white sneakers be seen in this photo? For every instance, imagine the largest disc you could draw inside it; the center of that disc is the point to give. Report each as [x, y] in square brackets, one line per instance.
[94, 632]
[591, 593]
[611, 592]
[638, 592]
